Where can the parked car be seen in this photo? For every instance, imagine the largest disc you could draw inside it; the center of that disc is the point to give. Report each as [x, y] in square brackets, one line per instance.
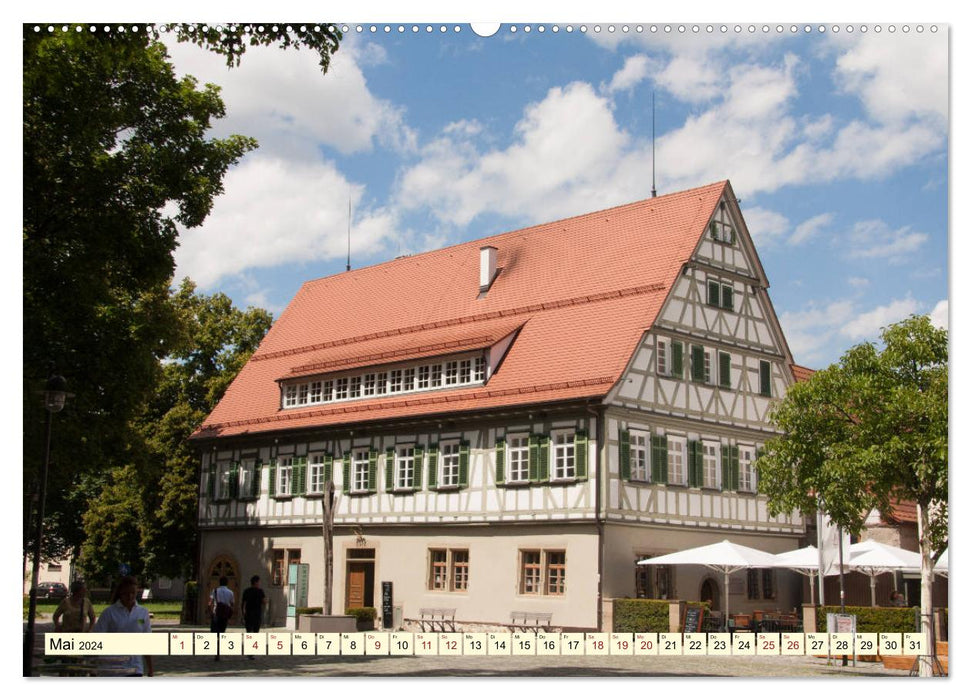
[51, 590]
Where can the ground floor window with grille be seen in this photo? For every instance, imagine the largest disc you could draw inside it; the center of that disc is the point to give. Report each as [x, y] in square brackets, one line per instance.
[280, 560]
[761, 584]
[653, 582]
[542, 572]
[448, 570]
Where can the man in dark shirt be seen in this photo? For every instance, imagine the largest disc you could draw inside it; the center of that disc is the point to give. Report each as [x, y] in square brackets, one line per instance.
[253, 600]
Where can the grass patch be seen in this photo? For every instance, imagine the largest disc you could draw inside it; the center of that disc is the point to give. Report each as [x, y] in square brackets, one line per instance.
[161, 609]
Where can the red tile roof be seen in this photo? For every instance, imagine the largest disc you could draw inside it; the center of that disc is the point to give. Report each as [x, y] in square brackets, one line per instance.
[582, 290]
[802, 374]
[901, 512]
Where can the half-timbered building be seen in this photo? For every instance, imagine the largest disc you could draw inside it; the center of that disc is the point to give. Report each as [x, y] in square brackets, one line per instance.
[512, 423]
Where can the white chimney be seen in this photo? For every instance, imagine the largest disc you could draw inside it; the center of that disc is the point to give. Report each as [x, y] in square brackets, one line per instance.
[487, 267]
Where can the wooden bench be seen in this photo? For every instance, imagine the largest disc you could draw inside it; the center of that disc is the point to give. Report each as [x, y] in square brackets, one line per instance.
[530, 621]
[437, 619]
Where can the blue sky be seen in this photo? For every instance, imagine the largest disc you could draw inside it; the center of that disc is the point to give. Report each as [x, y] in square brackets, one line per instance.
[836, 143]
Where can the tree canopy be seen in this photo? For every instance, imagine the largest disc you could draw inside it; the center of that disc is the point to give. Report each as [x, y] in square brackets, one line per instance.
[116, 154]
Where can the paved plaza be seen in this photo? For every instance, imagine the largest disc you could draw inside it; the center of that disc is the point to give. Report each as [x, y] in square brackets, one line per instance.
[508, 666]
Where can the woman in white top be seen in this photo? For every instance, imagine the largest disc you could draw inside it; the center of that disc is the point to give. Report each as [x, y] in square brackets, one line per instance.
[125, 615]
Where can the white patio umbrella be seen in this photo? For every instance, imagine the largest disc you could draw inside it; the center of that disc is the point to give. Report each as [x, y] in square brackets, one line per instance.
[940, 567]
[804, 561]
[875, 558]
[725, 557]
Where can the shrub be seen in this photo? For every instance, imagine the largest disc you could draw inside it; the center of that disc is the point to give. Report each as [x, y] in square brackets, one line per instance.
[640, 615]
[873, 619]
[309, 611]
[362, 614]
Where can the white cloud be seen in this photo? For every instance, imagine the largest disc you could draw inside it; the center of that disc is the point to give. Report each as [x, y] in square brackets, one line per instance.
[274, 212]
[634, 70]
[897, 76]
[564, 157]
[867, 325]
[939, 314]
[692, 78]
[875, 239]
[283, 97]
[858, 282]
[765, 225]
[810, 228]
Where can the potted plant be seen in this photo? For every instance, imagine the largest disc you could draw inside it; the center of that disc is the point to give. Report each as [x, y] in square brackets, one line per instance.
[365, 617]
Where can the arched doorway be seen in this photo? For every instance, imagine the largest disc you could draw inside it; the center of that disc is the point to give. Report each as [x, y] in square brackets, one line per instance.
[709, 591]
[223, 565]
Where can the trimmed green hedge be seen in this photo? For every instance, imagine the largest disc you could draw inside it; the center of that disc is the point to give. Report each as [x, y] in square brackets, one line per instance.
[640, 615]
[872, 619]
[362, 614]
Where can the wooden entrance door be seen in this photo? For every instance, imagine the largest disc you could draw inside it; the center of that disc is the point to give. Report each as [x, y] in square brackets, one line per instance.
[356, 583]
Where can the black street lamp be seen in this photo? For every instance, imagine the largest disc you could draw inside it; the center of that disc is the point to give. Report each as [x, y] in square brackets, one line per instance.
[55, 396]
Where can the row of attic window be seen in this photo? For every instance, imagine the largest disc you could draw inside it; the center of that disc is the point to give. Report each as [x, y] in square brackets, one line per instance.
[701, 365]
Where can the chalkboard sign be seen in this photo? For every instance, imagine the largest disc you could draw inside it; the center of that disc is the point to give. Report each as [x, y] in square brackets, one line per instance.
[387, 605]
[694, 616]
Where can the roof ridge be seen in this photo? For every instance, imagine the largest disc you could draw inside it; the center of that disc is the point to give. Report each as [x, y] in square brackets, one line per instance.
[462, 320]
[523, 229]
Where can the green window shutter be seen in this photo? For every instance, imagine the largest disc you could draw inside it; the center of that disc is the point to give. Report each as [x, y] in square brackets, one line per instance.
[301, 479]
[725, 369]
[234, 480]
[272, 478]
[713, 289]
[759, 451]
[433, 466]
[693, 463]
[677, 358]
[463, 464]
[659, 459]
[419, 458]
[580, 454]
[534, 450]
[713, 230]
[697, 363]
[543, 470]
[728, 297]
[328, 468]
[346, 486]
[372, 473]
[726, 468]
[389, 470]
[731, 235]
[765, 378]
[211, 480]
[257, 478]
[734, 454]
[500, 461]
[625, 454]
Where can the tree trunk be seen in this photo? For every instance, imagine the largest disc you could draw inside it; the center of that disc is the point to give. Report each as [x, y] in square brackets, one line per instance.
[926, 662]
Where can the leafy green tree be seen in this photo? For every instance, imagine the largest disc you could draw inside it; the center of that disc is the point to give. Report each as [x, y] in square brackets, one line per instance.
[867, 431]
[214, 342]
[116, 153]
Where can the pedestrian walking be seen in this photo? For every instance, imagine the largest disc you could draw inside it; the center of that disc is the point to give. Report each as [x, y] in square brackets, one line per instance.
[75, 613]
[252, 603]
[221, 604]
[125, 615]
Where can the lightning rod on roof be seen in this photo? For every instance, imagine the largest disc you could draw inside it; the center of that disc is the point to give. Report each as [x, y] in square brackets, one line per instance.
[653, 179]
[348, 233]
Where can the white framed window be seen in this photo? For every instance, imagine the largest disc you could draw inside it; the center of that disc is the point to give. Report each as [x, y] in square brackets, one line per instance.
[316, 392]
[517, 456]
[224, 473]
[302, 394]
[360, 469]
[707, 366]
[315, 465]
[382, 383]
[478, 371]
[423, 377]
[448, 464]
[329, 390]
[396, 381]
[542, 572]
[369, 386]
[451, 373]
[746, 474]
[354, 391]
[677, 459]
[404, 467]
[284, 476]
[290, 395]
[408, 384]
[563, 446]
[436, 375]
[663, 361]
[340, 388]
[640, 455]
[248, 479]
[465, 371]
[711, 464]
